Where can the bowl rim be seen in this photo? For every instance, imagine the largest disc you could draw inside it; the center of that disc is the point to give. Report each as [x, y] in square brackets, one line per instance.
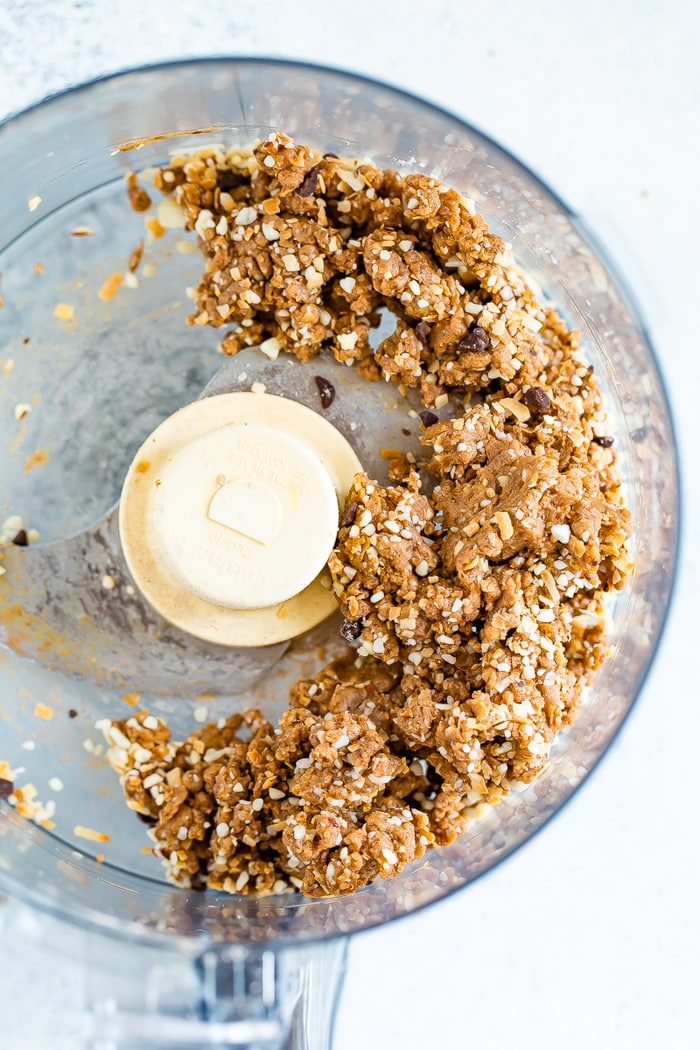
[97, 922]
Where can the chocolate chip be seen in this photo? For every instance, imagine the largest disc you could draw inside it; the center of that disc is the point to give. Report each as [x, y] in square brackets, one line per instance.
[333, 155]
[6, 788]
[421, 331]
[326, 390]
[308, 186]
[427, 417]
[537, 400]
[349, 514]
[21, 539]
[604, 442]
[25, 341]
[72, 713]
[351, 630]
[477, 339]
[230, 180]
[146, 819]
[405, 431]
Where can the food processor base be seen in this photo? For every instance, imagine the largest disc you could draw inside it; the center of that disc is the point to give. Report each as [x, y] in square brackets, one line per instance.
[142, 997]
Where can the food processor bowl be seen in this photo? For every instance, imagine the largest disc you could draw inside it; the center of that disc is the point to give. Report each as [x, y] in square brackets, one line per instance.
[170, 967]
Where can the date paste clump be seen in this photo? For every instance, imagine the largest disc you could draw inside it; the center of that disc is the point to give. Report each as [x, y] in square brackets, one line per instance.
[473, 604]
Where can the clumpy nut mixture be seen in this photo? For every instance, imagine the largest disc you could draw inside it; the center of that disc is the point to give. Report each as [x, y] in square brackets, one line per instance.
[472, 588]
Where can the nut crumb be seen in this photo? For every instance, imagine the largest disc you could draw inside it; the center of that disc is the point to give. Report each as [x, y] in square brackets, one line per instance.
[135, 257]
[63, 311]
[37, 459]
[154, 226]
[81, 832]
[109, 288]
[138, 197]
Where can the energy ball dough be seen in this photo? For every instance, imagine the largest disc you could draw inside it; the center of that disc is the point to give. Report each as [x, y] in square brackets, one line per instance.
[474, 605]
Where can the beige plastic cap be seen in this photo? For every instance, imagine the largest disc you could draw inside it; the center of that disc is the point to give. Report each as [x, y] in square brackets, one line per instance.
[245, 516]
[229, 512]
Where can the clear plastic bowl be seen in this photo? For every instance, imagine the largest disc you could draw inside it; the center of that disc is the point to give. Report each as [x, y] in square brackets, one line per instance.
[174, 964]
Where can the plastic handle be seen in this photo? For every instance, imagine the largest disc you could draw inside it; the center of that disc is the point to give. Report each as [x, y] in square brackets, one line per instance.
[109, 1030]
[142, 998]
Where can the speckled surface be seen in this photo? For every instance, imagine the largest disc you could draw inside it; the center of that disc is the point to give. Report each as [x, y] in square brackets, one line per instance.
[588, 937]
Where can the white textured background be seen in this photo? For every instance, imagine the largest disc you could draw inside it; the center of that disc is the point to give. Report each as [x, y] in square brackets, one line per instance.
[590, 936]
